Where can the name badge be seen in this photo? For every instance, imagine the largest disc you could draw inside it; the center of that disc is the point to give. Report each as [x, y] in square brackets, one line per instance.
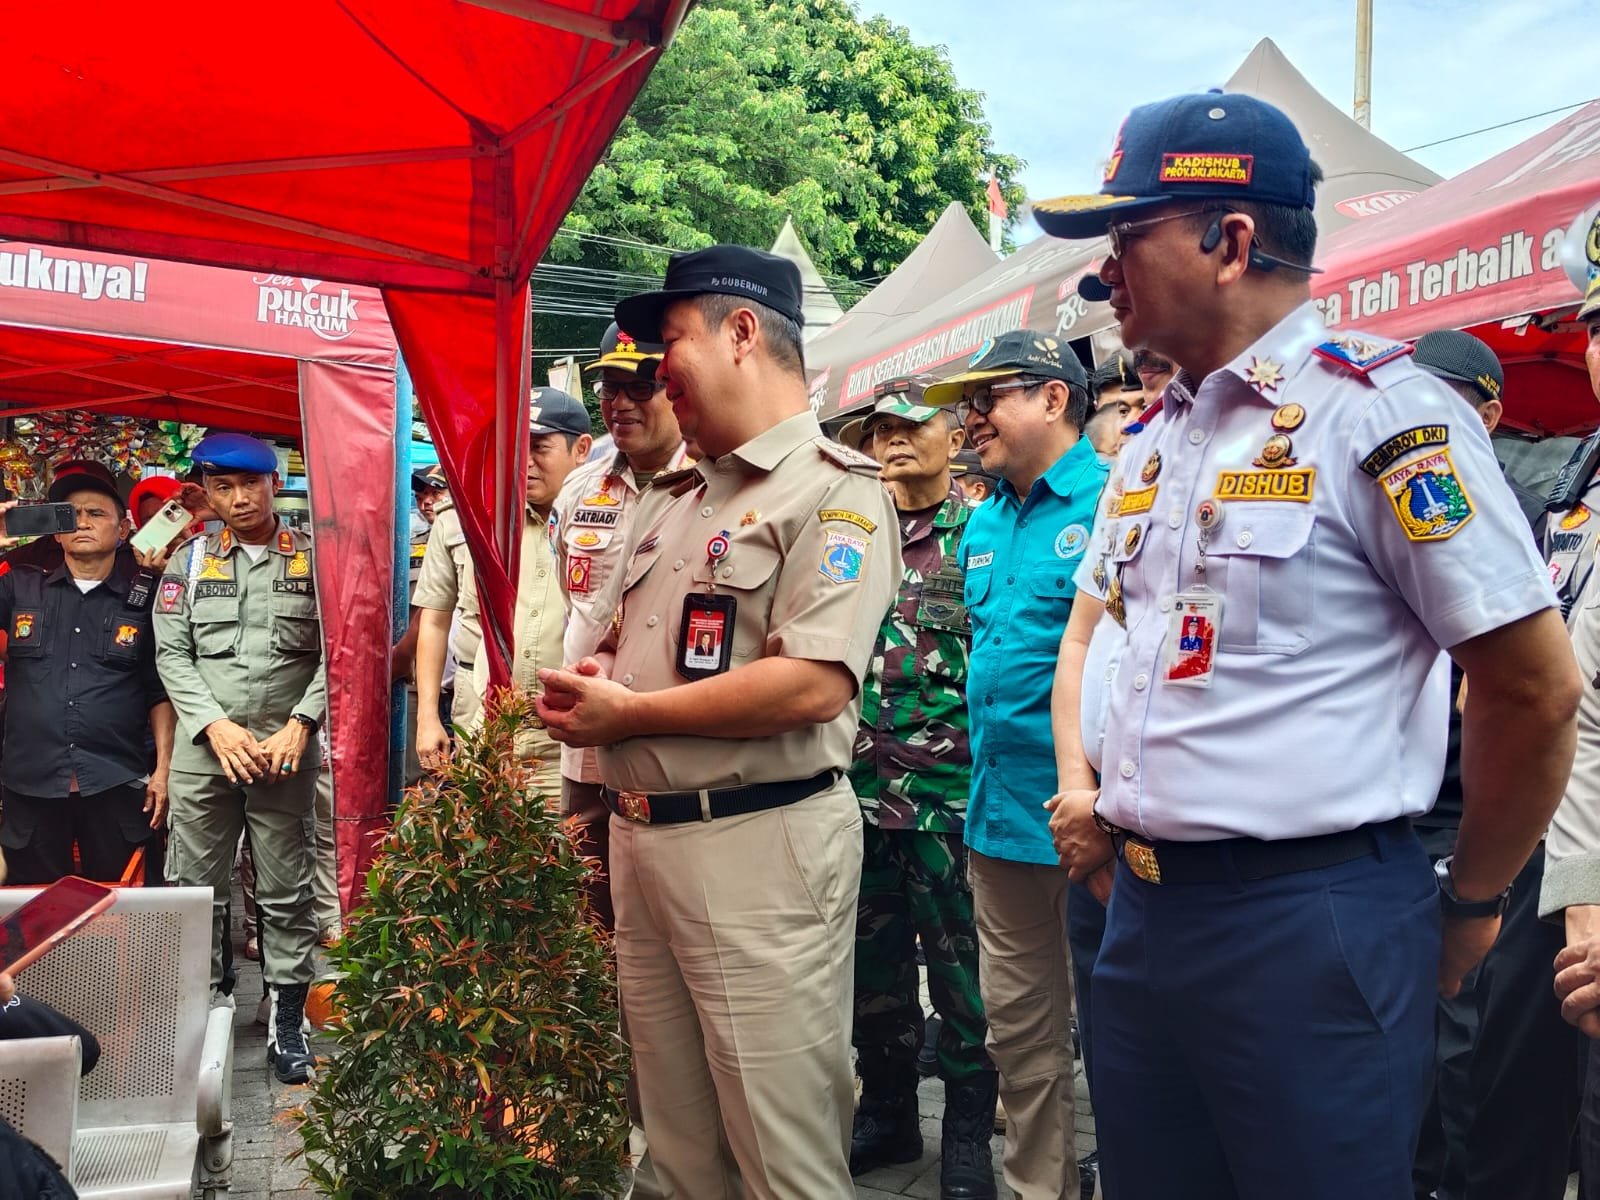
[705, 635]
[1192, 632]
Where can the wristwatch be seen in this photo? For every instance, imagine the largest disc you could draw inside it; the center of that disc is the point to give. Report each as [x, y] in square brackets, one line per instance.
[310, 724]
[1454, 906]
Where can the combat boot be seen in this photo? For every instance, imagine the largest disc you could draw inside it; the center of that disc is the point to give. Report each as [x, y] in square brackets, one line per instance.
[287, 1051]
[885, 1129]
[966, 1164]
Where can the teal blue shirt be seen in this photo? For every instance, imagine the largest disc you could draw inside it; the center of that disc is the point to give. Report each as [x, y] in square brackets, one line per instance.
[1020, 555]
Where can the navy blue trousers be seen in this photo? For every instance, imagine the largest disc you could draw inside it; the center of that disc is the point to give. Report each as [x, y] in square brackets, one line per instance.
[1267, 1039]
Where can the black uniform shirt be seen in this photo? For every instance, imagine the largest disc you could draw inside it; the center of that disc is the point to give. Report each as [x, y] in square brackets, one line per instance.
[80, 682]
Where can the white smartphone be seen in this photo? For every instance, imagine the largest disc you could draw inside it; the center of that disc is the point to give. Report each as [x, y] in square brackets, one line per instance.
[157, 533]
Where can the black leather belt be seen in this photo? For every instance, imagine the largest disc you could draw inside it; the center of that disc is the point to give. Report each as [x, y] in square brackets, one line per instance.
[674, 808]
[1243, 858]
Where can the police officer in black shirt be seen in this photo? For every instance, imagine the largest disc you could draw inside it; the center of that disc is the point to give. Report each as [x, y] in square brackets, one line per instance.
[83, 699]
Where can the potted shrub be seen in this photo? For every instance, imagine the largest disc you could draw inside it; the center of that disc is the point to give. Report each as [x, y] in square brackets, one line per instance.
[478, 1052]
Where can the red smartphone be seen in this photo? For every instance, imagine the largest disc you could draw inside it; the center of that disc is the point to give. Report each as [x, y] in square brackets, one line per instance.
[59, 910]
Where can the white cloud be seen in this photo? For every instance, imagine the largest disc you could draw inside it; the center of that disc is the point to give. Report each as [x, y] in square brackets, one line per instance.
[1060, 76]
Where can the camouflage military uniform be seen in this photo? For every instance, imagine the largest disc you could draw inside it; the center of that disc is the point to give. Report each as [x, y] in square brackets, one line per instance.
[912, 770]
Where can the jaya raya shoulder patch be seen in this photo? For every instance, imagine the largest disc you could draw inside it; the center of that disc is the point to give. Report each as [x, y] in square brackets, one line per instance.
[842, 557]
[1428, 498]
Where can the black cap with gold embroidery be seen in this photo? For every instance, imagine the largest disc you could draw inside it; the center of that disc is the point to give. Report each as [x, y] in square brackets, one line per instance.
[1020, 352]
[1456, 354]
[622, 351]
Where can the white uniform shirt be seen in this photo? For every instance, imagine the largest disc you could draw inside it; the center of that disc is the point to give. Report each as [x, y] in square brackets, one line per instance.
[591, 517]
[1384, 532]
[1570, 541]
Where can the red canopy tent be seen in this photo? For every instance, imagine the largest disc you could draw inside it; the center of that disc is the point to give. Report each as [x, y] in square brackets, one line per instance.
[429, 147]
[84, 330]
[1480, 252]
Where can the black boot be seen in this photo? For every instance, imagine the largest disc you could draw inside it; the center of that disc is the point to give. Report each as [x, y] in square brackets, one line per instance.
[966, 1165]
[287, 1051]
[886, 1129]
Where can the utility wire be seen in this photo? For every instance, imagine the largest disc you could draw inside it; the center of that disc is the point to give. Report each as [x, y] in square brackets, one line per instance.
[1549, 112]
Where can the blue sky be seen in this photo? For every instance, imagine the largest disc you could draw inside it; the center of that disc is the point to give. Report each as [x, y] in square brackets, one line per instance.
[1059, 75]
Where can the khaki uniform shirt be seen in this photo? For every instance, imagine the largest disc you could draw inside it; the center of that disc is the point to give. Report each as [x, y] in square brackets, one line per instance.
[592, 515]
[813, 565]
[446, 582]
[537, 626]
[240, 640]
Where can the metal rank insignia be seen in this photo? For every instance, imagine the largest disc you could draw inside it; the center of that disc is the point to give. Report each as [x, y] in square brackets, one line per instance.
[1288, 418]
[1114, 604]
[1151, 468]
[1131, 542]
[1141, 860]
[1264, 375]
[1276, 453]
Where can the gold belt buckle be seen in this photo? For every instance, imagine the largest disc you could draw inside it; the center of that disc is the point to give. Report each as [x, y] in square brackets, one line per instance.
[635, 806]
[1141, 860]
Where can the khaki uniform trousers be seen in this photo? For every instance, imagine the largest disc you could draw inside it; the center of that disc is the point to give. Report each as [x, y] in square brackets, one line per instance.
[327, 882]
[1025, 979]
[207, 816]
[736, 956]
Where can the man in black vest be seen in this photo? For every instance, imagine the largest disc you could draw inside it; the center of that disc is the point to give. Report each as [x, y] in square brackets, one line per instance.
[83, 699]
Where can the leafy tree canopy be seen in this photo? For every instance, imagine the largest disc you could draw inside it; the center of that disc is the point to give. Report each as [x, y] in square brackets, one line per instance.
[766, 109]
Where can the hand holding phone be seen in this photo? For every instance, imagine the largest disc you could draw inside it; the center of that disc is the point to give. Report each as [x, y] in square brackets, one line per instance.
[38, 520]
[43, 922]
[158, 532]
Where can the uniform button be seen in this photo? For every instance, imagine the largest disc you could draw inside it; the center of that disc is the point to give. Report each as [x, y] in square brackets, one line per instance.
[996, 639]
[1011, 578]
[727, 572]
[678, 566]
[1166, 604]
[541, 572]
[1141, 681]
[72, 745]
[76, 629]
[1022, 524]
[1196, 436]
[1060, 581]
[706, 511]
[1245, 538]
[527, 654]
[1111, 673]
[1175, 518]
[989, 700]
[74, 666]
[1127, 770]
[627, 680]
[653, 621]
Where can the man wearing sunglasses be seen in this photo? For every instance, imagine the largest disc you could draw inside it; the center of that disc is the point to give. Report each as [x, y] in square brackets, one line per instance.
[1023, 401]
[1289, 546]
[593, 512]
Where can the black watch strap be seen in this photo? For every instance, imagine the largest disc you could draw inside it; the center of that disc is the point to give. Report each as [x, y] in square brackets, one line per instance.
[1454, 906]
[309, 722]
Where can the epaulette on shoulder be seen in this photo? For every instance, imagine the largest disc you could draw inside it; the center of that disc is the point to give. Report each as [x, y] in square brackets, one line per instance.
[676, 482]
[1360, 354]
[848, 459]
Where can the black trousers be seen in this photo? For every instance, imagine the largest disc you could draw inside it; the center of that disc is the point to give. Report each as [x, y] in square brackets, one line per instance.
[1523, 1071]
[38, 834]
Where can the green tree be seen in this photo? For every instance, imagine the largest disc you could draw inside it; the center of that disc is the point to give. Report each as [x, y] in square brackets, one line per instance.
[763, 110]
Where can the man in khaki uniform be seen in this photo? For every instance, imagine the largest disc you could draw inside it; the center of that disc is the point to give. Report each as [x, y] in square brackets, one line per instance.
[239, 648]
[594, 510]
[748, 605]
[445, 590]
[558, 442]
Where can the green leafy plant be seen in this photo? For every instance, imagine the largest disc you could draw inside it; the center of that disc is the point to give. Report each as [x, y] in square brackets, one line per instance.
[478, 1047]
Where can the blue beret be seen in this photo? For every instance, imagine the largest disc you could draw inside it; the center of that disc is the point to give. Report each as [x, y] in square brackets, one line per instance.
[221, 453]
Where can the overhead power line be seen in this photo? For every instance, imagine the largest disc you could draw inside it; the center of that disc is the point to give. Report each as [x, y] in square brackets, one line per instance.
[1549, 112]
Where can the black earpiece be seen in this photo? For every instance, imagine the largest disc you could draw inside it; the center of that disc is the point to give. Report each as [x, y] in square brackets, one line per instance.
[1257, 258]
[1212, 237]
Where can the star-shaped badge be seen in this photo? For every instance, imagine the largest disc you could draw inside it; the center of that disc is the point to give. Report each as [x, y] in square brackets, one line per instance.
[1264, 375]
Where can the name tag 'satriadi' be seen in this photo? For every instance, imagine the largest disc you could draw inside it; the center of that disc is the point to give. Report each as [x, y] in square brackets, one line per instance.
[1295, 485]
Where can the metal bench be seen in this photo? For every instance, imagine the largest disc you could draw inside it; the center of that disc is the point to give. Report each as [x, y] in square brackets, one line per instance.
[152, 1119]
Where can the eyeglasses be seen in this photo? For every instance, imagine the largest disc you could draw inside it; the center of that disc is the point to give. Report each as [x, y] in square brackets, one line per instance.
[1118, 234]
[984, 398]
[637, 390]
